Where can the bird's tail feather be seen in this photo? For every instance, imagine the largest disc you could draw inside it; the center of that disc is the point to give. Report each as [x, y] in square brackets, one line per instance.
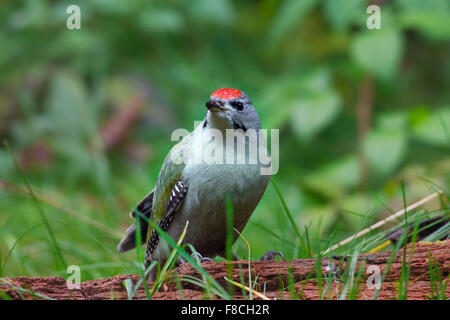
[129, 240]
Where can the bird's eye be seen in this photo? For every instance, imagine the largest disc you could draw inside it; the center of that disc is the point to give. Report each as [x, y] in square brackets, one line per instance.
[237, 105]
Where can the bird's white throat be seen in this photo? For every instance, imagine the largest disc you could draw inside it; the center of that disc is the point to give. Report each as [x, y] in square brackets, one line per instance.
[218, 120]
[228, 146]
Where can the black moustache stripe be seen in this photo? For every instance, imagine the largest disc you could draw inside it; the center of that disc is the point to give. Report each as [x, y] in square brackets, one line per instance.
[238, 126]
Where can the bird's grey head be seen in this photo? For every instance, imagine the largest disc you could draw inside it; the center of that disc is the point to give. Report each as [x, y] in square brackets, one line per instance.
[231, 108]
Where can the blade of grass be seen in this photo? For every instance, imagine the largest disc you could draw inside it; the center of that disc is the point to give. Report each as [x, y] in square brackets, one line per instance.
[251, 291]
[359, 215]
[3, 266]
[406, 272]
[128, 284]
[389, 263]
[270, 232]
[444, 127]
[349, 279]
[361, 224]
[378, 241]
[20, 290]
[383, 222]
[187, 257]
[403, 278]
[94, 223]
[229, 225]
[169, 263]
[288, 213]
[229, 239]
[4, 296]
[140, 257]
[355, 290]
[433, 288]
[249, 262]
[308, 241]
[40, 210]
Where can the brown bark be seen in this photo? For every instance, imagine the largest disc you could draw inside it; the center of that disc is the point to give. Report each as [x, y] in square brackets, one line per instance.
[293, 279]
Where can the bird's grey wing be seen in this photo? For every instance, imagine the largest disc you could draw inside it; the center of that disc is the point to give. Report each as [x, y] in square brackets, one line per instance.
[145, 208]
[156, 204]
[176, 198]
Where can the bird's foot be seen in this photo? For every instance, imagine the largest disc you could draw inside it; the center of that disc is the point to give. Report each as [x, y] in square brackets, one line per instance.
[200, 257]
[332, 271]
[270, 256]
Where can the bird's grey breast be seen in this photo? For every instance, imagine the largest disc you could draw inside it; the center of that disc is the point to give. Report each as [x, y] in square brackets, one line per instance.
[210, 183]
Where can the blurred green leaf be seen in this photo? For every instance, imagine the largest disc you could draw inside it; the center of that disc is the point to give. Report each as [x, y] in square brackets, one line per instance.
[426, 5]
[78, 43]
[316, 106]
[113, 7]
[336, 178]
[325, 214]
[159, 20]
[378, 52]
[211, 12]
[435, 25]
[397, 120]
[282, 92]
[434, 127]
[69, 108]
[6, 165]
[308, 102]
[384, 150]
[289, 15]
[314, 113]
[342, 13]
[357, 203]
[73, 127]
[429, 17]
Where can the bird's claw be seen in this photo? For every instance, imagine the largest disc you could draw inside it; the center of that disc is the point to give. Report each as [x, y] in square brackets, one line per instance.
[200, 257]
[333, 271]
[270, 256]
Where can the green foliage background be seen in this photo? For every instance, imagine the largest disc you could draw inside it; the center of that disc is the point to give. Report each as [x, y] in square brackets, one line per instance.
[358, 110]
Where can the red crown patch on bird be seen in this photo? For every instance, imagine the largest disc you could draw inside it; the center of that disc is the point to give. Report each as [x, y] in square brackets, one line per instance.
[227, 93]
